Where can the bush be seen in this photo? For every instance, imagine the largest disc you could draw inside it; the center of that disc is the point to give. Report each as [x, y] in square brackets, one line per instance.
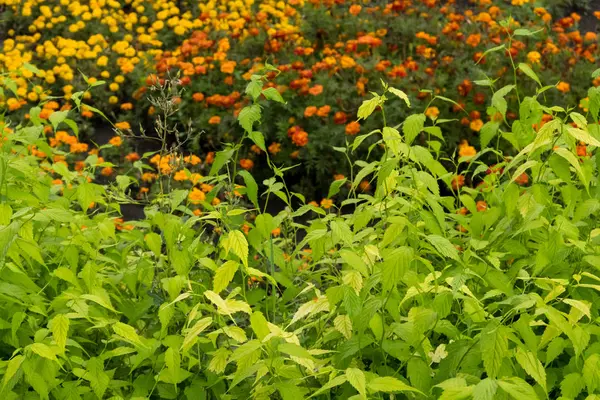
[421, 291]
[330, 54]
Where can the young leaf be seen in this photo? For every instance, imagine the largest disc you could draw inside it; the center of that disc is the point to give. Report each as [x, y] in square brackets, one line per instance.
[485, 389]
[343, 324]
[532, 366]
[195, 330]
[251, 187]
[272, 94]
[248, 116]
[591, 372]
[413, 125]
[526, 69]
[401, 95]
[367, 107]
[388, 384]
[224, 275]
[236, 242]
[357, 379]
[494, 345]
[517, 388]
[60, 330]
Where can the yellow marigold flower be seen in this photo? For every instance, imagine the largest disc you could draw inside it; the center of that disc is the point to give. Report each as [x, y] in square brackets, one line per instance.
[534, 57]
[196, 196]
[180, 176]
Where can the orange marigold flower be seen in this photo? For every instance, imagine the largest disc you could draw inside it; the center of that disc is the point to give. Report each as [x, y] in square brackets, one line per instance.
[466, 150]
[338, 177]
[352, 128]
[210, 157]
[522, 179]
[107, 171]
[432, 112]
[323, 111]
[276, 232]
[123, 125]
[457, 182]
[228, 67]
[347, 62]
[310, 111]
[340, 118]
[300, 138]
[365, 186]
[582, 150]
[198, 97]
[326, 203]
[462, 211]
[473, 39]
[355, 9]
[476, 125]
[116, 141]
[214, 120]
[481, 205]
[563, 87]
[274, 148]
[126, 106]
[316, 90]
[132, 157]
[246, 163]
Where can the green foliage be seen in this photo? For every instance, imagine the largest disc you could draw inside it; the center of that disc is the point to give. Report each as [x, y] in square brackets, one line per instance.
[418, 291]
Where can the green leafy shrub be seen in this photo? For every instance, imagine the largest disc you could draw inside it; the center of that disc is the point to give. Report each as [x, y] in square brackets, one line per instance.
[484, 293]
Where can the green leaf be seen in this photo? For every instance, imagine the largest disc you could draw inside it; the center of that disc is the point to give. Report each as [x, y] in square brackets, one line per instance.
[343, 324]
[413, 125]
[498, 101]
[582, 136]
[591, 372]
[392, 140]
[337, 381]
[525, 32]
[221, 158]
[532, 366]
[570, 157]
[388, 384]
[335, 186]
[354, 262]
[258, 139]
[98, 379]
[494, 346]
[259, 325]
[522, 168]
[248, 116]
[251, 187]
[12, 368]
[219, 361]
[367, 107]
[485, 389]
[517, 388]
[272, 94]
[443, 246]
[526, 69]
[254, 87]
[224, 275]
[265, 223]
[357, 379]
[173, 363]
[128, 333]
[59, 326]
[154, 243]
[400, 94]
[487, 133]
[395, 265]
[293, 349]
[43, 350]
[57, 117]
[195, 330]
[236, 242]
[572, 385]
